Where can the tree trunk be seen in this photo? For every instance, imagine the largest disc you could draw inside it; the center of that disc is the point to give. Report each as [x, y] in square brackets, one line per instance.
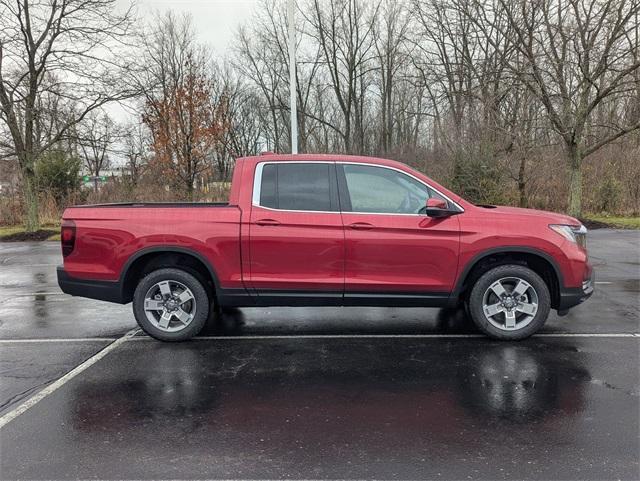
[522, 182]
[32, 218]
[190, 190]
[575, 185]
[385, 143]
[347, 133]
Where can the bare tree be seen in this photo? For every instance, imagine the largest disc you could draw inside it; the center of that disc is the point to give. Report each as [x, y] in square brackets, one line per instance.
[444, 59]
[135, 151]
[344, 31]
[243, 133]
[96, 138]
[575, 56]
[67, 49]
[390, 33]
[261, 58]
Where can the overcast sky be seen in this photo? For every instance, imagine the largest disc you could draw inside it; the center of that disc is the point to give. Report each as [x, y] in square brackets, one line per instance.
[214, 20]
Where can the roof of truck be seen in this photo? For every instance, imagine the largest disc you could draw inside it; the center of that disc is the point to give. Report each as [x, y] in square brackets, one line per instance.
[271, 157]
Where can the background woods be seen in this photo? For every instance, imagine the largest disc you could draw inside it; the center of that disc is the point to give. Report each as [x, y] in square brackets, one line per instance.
[59, 61]
[527, 103]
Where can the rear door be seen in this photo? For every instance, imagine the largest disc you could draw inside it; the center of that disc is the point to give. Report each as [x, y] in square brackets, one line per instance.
[296, 235]
[391, 246]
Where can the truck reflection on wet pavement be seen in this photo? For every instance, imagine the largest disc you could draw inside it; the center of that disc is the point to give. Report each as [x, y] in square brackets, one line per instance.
[338, 408]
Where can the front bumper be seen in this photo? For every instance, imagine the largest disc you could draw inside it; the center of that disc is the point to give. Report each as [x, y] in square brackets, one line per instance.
[110, 291]
[571, 297]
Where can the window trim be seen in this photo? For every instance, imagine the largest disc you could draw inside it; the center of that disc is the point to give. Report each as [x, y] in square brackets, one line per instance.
[257, 186]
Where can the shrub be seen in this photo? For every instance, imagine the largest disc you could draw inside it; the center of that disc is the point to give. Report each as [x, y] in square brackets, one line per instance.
[58, 175]
[11, 210]
[609, 195]
[479, 180]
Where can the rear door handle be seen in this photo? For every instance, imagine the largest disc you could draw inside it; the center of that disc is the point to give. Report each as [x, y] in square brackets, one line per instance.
[361, 226]
[267, 222]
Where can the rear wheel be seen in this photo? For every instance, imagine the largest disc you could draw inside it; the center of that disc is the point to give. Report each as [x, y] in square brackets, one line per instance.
[171, 304]
[509, 302]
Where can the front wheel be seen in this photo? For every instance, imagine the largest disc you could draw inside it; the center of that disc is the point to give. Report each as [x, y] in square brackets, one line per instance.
[171, 304]
[509, 302]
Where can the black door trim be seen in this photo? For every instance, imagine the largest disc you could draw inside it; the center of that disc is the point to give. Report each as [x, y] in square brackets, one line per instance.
[309, 298]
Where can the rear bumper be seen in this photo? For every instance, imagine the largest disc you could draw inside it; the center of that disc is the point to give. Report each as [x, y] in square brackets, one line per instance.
[571, 297]
[110, 291]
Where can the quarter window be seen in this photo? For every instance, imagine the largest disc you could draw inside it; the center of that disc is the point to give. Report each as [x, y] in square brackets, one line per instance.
[381, 190]
[297, 186]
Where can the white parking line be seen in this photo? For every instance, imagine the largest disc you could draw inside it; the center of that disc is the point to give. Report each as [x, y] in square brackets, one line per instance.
[37, 265]
[383, 336]
[266, 337]
[51, 293]
[595, 334]
[32, 401]
[53, 339]
[32, 294]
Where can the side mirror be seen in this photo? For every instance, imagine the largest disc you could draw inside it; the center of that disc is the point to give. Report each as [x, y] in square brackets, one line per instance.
[437, 208]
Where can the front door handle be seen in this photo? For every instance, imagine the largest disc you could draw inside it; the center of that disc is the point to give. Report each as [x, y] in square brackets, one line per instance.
[270, 222]
[361, 226]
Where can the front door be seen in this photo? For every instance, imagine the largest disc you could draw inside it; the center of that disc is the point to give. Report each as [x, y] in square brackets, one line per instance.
[296, 235]
[391, 247]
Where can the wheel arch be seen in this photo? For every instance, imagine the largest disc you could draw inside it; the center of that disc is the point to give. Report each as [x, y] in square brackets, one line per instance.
[538, 261]
[152, 258]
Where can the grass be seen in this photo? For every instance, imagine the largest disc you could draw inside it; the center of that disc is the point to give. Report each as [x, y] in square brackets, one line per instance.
[616, 221]
[16, 232]
[6, 230]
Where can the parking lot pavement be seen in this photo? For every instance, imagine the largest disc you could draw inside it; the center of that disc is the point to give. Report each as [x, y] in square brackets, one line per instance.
[33, 306]
[351, 408]
[320, 392]
[25, 368]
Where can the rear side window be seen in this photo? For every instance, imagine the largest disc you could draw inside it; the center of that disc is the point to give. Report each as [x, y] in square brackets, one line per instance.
[268, 188]
[298, 186]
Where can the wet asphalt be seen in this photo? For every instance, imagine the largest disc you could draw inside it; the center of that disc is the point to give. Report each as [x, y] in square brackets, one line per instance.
[320, 392]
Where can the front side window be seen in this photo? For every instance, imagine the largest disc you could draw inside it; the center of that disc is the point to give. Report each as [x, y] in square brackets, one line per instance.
[297, 186]
[384, 191]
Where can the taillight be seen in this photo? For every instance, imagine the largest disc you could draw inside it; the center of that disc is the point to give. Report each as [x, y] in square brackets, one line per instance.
[67, 237]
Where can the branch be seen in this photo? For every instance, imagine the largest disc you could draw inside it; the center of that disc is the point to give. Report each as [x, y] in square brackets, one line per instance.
[623, 131]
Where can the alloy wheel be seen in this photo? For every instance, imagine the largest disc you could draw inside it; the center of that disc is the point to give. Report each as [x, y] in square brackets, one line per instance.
[510, 303]
[169, 305]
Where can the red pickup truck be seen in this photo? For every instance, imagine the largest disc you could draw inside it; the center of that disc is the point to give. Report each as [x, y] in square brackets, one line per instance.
[317, 230]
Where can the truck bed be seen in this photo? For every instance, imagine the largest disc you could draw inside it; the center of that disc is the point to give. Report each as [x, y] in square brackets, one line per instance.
[108, 235]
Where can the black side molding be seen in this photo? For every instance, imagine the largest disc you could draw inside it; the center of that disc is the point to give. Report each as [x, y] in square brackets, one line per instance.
[396, 299]
[310, 298]
[110, 291]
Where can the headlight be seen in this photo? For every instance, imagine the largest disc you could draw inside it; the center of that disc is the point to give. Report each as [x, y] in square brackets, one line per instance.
[573, 233]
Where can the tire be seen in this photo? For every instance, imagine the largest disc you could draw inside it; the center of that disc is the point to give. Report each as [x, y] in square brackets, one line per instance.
[521, 309]
[171, 304]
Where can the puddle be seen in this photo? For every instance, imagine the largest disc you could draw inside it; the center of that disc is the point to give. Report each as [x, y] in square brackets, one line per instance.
[630, 285]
